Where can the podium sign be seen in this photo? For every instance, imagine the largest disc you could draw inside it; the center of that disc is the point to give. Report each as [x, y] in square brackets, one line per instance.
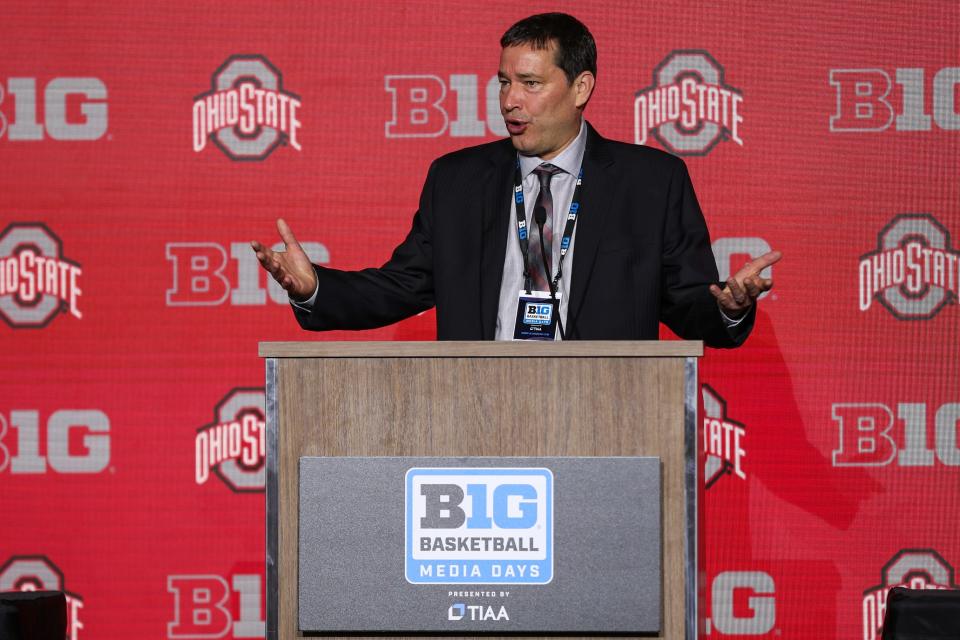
[479, 544]
[559, 529]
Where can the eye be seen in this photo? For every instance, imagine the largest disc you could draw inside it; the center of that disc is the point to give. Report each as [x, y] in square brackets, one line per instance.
[532, 84]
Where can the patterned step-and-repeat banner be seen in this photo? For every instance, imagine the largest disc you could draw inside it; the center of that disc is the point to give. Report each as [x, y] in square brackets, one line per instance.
[143, 146]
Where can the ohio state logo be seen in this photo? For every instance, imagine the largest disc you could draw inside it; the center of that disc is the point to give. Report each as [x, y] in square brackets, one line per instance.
[37, 281]
[246, 113]
[914, 273]
[37, 573]
[689, 107]
[911, 568]
[722, 440]
[233, 446]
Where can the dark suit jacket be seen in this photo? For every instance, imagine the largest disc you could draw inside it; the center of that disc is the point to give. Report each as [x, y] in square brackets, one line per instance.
[642, 253]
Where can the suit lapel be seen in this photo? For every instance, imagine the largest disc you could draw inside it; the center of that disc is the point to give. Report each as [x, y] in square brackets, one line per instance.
[598, 187]
[498, 186]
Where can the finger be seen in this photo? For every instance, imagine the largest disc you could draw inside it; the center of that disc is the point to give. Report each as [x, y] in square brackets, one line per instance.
[276, 265]
[258, 249]
[752, 285]
[759, 264]
[736, 291]
[286, 234]
[264, 255]
[723, 297]
[716, 292]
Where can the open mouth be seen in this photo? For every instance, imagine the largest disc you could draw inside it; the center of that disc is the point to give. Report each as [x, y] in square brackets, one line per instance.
[516, 127]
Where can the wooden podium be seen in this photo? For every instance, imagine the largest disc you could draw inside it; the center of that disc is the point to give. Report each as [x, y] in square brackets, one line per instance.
[485, 399]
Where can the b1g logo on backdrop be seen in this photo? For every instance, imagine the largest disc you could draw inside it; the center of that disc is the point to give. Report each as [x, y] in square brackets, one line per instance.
[865, 104]
[722, 440]
[37, 281]
[73, 109]
[914, 273]
[479, 525]
[201, 277]
[37, 573]
[77, 441]
[870, 436]
[214, 606]
[420, 107]
[247, 113]
[689, 107]
[754, 588]
[910, 568]
[233, 446]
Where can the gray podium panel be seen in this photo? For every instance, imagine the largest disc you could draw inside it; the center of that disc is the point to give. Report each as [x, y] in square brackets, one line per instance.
[464, 545]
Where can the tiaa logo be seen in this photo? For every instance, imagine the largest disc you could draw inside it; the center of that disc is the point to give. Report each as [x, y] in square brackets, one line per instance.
[479, 526]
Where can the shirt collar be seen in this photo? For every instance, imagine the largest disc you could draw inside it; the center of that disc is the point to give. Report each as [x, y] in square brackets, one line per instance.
[570, 159]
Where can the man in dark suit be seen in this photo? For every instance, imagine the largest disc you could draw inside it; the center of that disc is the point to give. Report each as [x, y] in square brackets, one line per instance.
[635, 234]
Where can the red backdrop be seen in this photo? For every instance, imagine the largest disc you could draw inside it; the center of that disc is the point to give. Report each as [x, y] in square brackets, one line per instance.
[142, 147]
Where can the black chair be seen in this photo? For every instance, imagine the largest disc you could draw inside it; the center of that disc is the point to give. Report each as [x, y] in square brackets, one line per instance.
[922, 614]
[33, 615]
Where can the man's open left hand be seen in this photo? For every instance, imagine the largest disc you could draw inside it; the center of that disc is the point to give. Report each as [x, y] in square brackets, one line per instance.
[745, 286]
[291, 268]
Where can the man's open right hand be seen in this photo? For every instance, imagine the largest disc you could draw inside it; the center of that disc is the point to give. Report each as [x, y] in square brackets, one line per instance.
[291, 268]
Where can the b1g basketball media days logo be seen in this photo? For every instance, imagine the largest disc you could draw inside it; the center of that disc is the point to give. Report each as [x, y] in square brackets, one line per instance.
[37, 281]
[914, 273]
[689, 107]
[910, 568]
[247, 113]
[233, 446]
[63, 117]
[479, 525]
[37, 573]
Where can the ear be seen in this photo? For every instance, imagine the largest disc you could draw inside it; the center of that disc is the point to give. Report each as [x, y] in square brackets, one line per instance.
[583, 86]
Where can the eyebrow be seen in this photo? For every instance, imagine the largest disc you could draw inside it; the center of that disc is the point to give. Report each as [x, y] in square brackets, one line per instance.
[520, 76]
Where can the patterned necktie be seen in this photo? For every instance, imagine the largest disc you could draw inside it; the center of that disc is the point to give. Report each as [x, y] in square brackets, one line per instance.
[544, 199]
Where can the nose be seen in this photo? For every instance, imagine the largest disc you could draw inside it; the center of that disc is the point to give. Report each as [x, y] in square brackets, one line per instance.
[509, 97]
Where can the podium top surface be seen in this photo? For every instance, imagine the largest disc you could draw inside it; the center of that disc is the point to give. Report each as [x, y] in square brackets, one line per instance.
[485, 349]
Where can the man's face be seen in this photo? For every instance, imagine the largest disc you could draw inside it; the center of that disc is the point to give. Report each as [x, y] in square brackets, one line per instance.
[540, 107]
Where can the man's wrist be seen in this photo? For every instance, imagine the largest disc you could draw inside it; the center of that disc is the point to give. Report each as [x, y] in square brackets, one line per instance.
[732, 320]
[309, 302]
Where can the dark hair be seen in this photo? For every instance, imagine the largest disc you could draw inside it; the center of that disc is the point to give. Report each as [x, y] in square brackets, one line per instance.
[576, 50]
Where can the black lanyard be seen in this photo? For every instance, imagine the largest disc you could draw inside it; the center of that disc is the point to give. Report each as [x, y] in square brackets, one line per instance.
[572, 214]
